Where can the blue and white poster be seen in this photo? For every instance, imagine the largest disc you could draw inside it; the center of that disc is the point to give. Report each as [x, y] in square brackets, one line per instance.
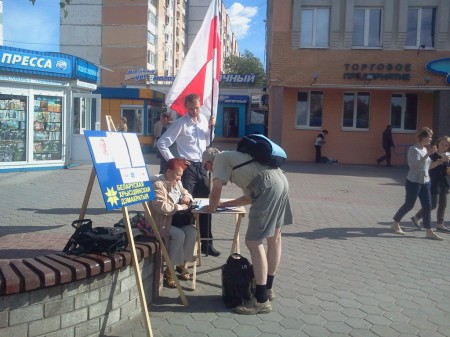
[120, 167]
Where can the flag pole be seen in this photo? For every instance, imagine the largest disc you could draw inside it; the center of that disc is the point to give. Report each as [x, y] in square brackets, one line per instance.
[213, 77]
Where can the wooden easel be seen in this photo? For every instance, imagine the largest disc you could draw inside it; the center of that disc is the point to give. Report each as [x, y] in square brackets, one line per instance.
[137, 271]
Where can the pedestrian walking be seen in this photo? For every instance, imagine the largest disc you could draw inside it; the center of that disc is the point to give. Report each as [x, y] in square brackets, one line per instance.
[418, 182]
[387, 143]
[439, 185]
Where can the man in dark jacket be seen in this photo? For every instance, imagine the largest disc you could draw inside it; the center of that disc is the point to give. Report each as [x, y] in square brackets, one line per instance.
[387, 143]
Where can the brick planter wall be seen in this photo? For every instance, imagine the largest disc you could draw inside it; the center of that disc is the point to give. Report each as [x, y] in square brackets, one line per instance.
[90, 306]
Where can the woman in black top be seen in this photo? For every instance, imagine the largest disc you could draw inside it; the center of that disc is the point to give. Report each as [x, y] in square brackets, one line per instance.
[439, 185]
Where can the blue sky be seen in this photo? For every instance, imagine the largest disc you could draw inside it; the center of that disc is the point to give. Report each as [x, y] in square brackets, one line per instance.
[37, 27]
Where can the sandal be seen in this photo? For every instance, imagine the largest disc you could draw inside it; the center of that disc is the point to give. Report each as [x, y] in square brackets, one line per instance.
[184, 273]
[170, 281]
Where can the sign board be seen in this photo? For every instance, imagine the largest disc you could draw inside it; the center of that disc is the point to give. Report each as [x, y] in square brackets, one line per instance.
[120, 168]
[51, 64]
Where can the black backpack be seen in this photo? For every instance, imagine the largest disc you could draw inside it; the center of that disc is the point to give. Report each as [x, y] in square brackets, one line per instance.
[262, 150]
[87, 240]
[238, 281]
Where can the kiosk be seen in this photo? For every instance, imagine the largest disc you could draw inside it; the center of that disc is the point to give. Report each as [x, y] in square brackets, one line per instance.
[45, 106]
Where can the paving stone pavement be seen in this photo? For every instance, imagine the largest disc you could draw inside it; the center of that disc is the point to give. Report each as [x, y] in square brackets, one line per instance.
[343, 273]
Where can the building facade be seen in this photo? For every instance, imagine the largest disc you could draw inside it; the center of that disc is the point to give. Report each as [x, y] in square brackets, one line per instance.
[137, 44]
[353, 67]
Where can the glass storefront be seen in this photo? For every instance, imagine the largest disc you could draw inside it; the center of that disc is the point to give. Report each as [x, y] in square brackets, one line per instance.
[47, 138]
[13, 128]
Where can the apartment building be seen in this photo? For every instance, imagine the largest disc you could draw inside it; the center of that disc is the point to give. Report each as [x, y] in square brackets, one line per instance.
[137, 44]
[144, 38]
[353, 67]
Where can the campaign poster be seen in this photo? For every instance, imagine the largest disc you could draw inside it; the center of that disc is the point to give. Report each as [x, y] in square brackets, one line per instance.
[120, 167]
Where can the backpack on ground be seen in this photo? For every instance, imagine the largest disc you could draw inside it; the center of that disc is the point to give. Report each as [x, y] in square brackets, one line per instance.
[87, 239]
[262, 150]
[238, 281]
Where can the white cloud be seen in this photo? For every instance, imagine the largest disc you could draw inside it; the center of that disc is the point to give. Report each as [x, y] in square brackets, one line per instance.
[241, 18]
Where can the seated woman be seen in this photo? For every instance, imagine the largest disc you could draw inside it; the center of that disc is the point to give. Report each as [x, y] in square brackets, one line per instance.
[172, 197]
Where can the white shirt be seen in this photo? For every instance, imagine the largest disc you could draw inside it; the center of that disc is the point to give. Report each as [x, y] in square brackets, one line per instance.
[418, 168]
[191, 138]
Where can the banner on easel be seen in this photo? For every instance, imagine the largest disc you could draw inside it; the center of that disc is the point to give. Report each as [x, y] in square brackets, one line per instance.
[120, 167]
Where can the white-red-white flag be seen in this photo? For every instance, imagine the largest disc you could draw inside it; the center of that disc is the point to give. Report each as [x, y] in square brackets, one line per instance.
[200, 72]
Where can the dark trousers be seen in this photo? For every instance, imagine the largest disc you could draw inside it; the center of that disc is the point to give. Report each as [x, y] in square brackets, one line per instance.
[386, 157]
[318, 153]
[195, 180]
[438, 194]
[414, 190]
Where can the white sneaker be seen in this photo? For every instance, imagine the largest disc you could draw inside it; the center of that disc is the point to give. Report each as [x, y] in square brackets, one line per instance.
[434, 236]
[270, 294]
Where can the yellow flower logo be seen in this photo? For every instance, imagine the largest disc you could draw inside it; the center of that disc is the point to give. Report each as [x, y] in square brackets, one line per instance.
[112, 196]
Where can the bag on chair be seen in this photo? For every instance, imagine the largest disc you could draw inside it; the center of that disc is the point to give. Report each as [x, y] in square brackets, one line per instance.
[238, 281]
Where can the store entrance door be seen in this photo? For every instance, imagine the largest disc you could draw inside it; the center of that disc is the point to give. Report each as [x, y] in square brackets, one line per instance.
[230, 122]
[85, 116]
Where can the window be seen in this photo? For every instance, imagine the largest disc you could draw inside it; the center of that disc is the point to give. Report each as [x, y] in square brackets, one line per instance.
[309, 109]
[356, 110]
[151, 38]
[134, 119]
[152, 118]
[151, 57]
[14, 127]
[367, 27]
[404, 111]
[421, 27]
[47, 140]
[315, 24]
[152, 20]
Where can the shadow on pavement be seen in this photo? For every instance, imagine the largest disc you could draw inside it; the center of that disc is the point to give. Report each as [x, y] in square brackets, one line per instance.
[197, 304]
[60, 211]
[397, 172]
[344, 233]
[5, 230]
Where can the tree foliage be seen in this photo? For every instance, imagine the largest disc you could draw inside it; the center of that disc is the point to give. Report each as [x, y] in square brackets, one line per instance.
[247, 63]
[62, 5]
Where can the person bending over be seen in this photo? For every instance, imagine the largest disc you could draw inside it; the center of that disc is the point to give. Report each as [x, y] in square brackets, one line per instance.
[266, 190]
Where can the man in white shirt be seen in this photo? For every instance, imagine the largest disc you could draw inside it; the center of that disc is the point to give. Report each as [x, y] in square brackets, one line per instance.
[192, 133]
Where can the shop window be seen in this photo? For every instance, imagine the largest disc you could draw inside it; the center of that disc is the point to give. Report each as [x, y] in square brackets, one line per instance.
[153, 117]
[13, 128]
[367, 27]
[309, 109]
[315, 28]
[258, 117]
[356, 110]
[421, 28]
[404, 112]
[47, 127]
[134, 119]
